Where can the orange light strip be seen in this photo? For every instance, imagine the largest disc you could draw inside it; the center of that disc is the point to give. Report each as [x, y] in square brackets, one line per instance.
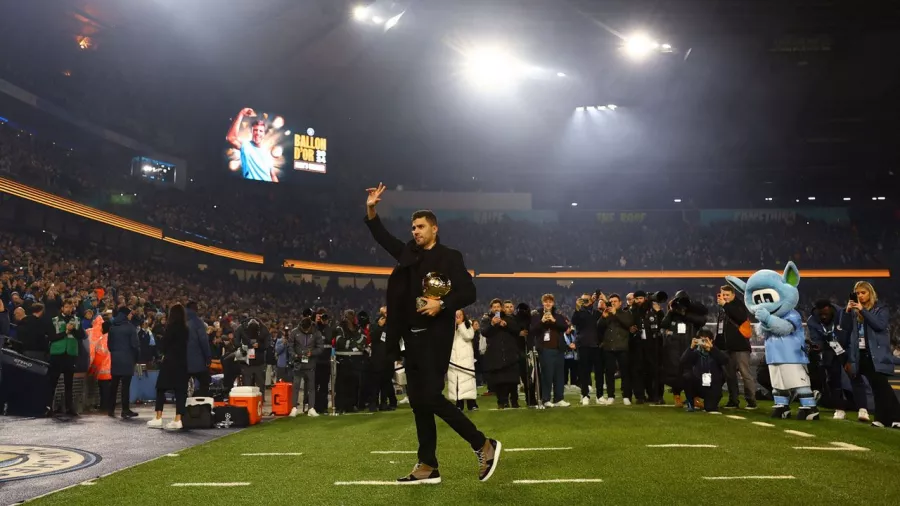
[811, 273]
[50, 200]
[212, 250]
[343, 268]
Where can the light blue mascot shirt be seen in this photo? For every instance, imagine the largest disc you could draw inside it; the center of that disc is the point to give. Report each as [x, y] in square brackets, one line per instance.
[772, 298]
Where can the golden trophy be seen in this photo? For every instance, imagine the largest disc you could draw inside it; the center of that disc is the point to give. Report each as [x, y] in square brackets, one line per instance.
[434, 286]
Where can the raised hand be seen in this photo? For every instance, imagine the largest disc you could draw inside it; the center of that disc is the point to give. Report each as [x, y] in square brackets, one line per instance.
[248, 112]
[375, 195]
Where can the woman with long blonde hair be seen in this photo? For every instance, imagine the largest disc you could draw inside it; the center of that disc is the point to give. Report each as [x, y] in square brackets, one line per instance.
[871, 356]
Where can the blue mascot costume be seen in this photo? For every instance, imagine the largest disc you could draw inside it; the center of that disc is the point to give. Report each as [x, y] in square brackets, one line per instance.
[771, 297]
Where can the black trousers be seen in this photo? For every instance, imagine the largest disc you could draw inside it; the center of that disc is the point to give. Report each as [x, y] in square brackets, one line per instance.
[346, 395]
[887, 407]
[507, 394]
[126, 393]
[381, 391]
[570, 373]
[620, 359]
[711, 395]
[105, 394]
[68, 375]
[590, 360]
[204, 379]
[425, 372]
[650, 372]
[180, 398]
[530, 390]
[636, 369]
[323, 385]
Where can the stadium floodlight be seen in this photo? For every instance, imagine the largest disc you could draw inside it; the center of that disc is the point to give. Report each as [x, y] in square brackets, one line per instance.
[361, 12]
[560, 74]
[393, 21]
[846, 199]
[493, 68]
[810, 198]
[677, 201]
[580, 108]
[574, 204]
[601, 107]
[612, 107]
[287, 132]
[639, 45]
[377, 20]
[880, 198]
[768, 199]
[666, 47]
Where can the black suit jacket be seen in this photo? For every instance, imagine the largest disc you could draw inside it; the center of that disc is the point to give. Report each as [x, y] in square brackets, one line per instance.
[400, 297]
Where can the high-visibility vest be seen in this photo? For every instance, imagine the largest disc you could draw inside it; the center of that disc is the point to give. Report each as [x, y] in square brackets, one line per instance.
[101, 360]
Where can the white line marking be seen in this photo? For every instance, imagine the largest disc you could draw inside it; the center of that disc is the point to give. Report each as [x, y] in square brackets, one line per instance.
[171, 455]
[749, 478]
[763, 424]
[342, 483]
[358, 414]
[798, 433]
[714, 412]
[735, 417]
[661, 405]
[537, 449]
[232, 484]
[836, 447]
[270, 454]
[88, 483]
[677, 445]
[569, 480]
[391, 452]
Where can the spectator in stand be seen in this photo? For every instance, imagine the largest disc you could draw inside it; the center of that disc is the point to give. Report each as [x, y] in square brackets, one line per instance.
[173, 372]
[124, 349]
[461, 386]
[733, 334]
[871, 357]
[35, 333]
[199, 356]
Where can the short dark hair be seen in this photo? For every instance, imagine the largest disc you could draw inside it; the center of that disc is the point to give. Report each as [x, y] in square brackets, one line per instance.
[258, 123]
[705, 332]
[727, 288]
[505, 302]
[822, 304]
[36, 308]
[496, 301]
[615, 295]
[427, 214]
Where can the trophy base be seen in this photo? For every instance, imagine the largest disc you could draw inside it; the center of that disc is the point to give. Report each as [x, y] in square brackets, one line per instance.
[421, 302]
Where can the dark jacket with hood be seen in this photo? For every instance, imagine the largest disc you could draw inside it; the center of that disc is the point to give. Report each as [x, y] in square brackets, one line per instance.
[404, 286]
[696, 363]
[730, 318]
[501, 359]
[123, 345]
[35, 334]
[585, 322]
[199, 355]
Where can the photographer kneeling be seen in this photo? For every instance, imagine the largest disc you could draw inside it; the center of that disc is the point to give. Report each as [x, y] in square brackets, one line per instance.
[703, 375]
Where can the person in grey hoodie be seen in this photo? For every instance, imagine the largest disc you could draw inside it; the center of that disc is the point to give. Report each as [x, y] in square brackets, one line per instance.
[304, 346]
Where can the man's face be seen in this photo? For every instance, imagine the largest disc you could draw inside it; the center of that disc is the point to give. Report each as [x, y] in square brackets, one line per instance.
[615, 303]
[639, 301]
[548, 304]
[629, 299]
[257, 132]
[496, 308]
[17, 299]
[508, 308]
[727, 296]
[423, 232]
[826, 315]
[67, 309]
[18, 314]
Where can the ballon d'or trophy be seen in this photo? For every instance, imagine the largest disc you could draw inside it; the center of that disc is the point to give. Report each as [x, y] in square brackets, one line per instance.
[434, 286]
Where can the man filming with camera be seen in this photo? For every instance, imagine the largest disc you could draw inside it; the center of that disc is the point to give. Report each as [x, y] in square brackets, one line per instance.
[733, 334]
[587, 342]
[645, 346]
[615, 325]
[682, 322]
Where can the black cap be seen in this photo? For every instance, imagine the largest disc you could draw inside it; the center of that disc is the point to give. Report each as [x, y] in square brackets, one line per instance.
[640, 293]
[307, 313]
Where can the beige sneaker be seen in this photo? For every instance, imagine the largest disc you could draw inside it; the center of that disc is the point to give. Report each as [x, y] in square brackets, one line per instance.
[488, 458]
[421, 474]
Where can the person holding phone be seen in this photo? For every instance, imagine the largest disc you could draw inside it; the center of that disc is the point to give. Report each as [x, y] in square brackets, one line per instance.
[871, 355]
[703, 376]
[501, 359]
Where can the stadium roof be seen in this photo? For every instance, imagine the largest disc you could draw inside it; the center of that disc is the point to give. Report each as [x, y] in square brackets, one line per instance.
[752, 88]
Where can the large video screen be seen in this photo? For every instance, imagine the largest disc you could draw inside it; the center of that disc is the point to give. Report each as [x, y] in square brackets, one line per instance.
[262, 147]
[153, 170]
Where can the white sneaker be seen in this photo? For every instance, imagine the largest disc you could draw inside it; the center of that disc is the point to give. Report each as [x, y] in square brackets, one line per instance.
[548, 404]
[895, 425]
[294, 412]
[585, 401]
[878, 424]
[312, 412]
[608, 401]
[600, 401]
[174, 425]
[156, 423]
[562, 404]
[627, 401]
[840, 414]
[863, 416]
[590, 389]
[404, 400]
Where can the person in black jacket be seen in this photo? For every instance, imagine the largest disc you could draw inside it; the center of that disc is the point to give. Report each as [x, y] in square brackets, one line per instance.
[35, 332]
[124, 348]
[615, 327]
[173, 372]
[427, 330]
[382, 395]
[587, 342]
[703, 377]
[644, 347]
[735, 345]
[501, 359]
[549, 330]
[682, 322]
[254, 337]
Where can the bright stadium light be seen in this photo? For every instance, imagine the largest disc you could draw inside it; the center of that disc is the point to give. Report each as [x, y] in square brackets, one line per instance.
[393, 21]
[612, 107]
[601, 107]
[377, 20]
[560, 74]
[574, 204]
[677, 201]
[810, 198]
[639, 45]
[846, 199]
[493, 68]
[360, 12]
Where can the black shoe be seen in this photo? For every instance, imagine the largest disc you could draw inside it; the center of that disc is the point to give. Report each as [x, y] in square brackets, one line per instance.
[473, 408]
[373, 409]
[639, 401]
[515, 405]
[660, 402]
[733, 405]
[421, 475]
[488, 458]
[111, 414]
[808, 414]
[127, 415]
[783, 412]
[751, 406]
[72, 413]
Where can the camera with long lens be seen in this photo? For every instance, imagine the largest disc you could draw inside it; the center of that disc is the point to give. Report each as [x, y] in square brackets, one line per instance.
[659, 297]
[681, 300]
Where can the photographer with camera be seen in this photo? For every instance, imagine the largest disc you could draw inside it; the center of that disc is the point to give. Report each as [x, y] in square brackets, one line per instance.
[681, 323]
[644, 347]
[304, 345]
[615, 326]
[552, 345]
[587, 343]
[832, 331]
[733, 333]
[323, 364]
[527, 344]
[381, 396]
[501, 359]
[703, 376]
[349, 344]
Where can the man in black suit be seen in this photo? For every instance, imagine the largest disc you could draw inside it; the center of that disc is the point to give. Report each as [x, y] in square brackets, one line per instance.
[428, 335]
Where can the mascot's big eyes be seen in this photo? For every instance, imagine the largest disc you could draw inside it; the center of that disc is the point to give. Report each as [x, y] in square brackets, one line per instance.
[764, 296]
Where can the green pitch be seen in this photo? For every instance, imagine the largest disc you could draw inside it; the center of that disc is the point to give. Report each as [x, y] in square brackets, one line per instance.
[607, 443]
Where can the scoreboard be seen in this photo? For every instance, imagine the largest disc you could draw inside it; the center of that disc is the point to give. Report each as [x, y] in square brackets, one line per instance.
[310, 152]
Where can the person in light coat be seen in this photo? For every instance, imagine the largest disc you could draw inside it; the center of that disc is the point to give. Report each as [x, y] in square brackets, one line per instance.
[461, 385]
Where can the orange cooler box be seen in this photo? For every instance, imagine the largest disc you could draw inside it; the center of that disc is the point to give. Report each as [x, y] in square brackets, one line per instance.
[250, 398]
[282, 398]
